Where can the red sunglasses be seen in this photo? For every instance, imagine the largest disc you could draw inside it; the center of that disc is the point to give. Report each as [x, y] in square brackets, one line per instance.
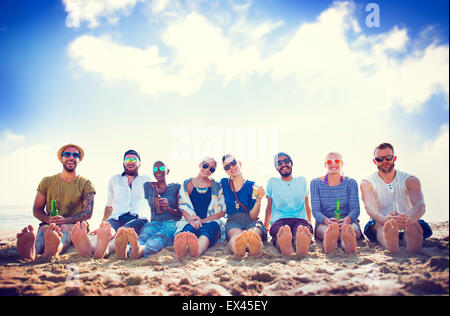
[329, 161]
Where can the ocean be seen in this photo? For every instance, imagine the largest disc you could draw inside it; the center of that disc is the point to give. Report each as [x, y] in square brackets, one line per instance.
[16, 217]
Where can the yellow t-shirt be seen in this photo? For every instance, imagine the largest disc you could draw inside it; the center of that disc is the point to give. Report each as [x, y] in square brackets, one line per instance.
[69, 196]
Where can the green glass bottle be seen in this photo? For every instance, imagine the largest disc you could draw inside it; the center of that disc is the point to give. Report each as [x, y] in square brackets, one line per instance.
[337, 212]
[53, 211]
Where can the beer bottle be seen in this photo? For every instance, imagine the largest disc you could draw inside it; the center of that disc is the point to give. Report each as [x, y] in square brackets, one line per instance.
[53, 211]
[337, 212]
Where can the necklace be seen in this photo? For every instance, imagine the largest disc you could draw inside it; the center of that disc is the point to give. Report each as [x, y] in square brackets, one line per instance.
[326, 180]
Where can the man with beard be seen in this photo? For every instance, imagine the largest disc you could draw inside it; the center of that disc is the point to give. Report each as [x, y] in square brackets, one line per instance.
[74, 196]
[288, 210]
[126, 208]
[394, 201]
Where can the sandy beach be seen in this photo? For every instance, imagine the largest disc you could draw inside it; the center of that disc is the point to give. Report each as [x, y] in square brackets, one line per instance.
[370, 271]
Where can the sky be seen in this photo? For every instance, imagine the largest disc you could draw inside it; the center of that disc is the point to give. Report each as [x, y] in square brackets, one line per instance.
[178, 80]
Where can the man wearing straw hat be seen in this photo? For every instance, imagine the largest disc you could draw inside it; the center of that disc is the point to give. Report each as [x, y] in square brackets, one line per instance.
[74, 196]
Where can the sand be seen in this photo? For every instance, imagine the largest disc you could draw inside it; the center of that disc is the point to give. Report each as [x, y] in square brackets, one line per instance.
[370, 271]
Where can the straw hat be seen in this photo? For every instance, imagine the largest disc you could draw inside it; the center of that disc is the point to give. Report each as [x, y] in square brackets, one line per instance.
[61, 150]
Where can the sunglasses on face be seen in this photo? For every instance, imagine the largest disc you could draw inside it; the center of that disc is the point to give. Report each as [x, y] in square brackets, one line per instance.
[329, 161]
[162, 169]
[284, 161]
[387, 158]
[206, 166]
[128, 159]
[67, 154]
[231, 164]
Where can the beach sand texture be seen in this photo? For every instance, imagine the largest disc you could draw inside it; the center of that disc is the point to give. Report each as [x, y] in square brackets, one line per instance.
[370, 271]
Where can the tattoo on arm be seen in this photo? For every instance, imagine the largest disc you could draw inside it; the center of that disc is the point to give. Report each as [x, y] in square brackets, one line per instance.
[88, 208]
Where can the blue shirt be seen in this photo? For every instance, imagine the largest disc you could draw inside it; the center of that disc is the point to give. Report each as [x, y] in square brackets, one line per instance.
[171, 194]
[244, 195]
[288, 198]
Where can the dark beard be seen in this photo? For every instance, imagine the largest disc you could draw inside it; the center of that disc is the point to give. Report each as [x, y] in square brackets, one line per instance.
[130, 172]
[285, 175]
[386, 171]
[69, 170]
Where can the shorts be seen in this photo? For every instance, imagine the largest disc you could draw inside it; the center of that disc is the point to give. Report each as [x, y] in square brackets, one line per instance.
[242, 221]
[372, 235]
[129, 221]
[293, 223]
[211, 230]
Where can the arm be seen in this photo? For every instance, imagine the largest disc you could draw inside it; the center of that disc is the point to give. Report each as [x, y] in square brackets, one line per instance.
[257, 207]
[268, 212]
[370, 202]
[164, 203]
[308, 209]
[416, 197]
[38, 208]
[108, 212]
[88, 209]
[353, 199]
[315, 204]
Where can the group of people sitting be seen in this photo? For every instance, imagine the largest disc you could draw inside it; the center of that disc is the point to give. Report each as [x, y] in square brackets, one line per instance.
[143, 217]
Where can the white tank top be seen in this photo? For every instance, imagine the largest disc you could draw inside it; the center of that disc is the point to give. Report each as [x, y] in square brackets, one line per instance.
[391, 196]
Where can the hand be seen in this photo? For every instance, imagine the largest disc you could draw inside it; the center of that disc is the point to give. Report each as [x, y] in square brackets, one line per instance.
[58, 220]
[196, 222]
[328, 221]
[260, 192]
[164, 203]
[399, 218]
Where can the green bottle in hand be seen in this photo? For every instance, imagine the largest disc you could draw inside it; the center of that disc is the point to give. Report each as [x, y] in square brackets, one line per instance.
[337, 212]
[53, 211]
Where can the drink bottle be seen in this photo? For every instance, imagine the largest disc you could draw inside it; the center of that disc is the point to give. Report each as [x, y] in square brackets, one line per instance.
[53, 211]
[337, 212]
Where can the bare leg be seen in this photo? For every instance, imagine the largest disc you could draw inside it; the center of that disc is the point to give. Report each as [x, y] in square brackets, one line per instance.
[348, 238]
[302, 240]
[284, 240]
[104, 236]
[53, 245]
[121, 243]
[390, 233]
[413, 236]
[331, 237]
[180, 244]
[26, 242]
[254, 242]
[81, 240]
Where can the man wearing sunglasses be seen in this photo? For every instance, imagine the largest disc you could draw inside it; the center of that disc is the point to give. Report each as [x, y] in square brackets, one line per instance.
[125, 208]
[74, 196]
[288, 211]
[395, 203]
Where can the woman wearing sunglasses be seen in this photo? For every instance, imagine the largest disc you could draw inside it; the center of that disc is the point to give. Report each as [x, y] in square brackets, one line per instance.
[336, 192]
[243, 201]
[202, 205]
[163, 201]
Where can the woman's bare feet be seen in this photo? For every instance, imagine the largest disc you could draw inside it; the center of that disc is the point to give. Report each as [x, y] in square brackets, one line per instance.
[413, 236]
[121, 243]
[180, 244]
[104, 236]
[52, 237]
[80, 239]
[331, 237]
[240, 244]
[348, 238]
[284, 238]
[302, 240]
[390, 230]
[26, 243]
[192, 242]
[254, 243]
[134, 243]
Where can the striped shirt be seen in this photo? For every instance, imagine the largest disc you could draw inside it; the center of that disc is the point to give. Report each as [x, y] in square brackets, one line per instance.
[323, 199]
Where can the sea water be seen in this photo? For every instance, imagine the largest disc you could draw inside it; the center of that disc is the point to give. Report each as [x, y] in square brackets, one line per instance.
[15, 218]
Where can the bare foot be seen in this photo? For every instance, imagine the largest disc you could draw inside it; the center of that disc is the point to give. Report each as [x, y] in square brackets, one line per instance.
[26, 243]
[180, 244]
[240, 244]
[104, 236]
[284, 238]
[390, 230]
[413, 236]
[80, 239]
[331, 237]
[302, 240]
[121, 243]
[254, 243]
[192, 242]
[348, 238]
[135, 247]
[52, 239]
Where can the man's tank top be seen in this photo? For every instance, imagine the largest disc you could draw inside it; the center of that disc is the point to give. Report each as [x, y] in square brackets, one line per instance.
[390, 193]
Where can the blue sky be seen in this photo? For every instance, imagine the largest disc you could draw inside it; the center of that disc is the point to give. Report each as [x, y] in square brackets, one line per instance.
[161, 75]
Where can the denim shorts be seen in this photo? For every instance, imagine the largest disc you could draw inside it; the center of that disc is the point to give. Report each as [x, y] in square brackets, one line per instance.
[127, 220]
[242, 221]
[293, 223]
[157, 235]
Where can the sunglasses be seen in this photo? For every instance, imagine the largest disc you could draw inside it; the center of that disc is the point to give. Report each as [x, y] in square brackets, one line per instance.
[162, 169]
[128, 159]
[329, 161]
[231, 164]
[206, 166]
[387, 158]
[284, 161]
[67, 154]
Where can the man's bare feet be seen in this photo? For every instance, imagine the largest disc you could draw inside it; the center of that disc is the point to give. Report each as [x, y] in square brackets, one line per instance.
[254, 243]
[413, 236]
[26, 243]
[104, 236]
[331, 237]
[80, 239]
[284, 238]
[390, 231]
[302, 240]
[52, 239]
[240, 244]
[135, 247]
[348, 238]
[180, 244]
[192, 242]
[121, 243]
